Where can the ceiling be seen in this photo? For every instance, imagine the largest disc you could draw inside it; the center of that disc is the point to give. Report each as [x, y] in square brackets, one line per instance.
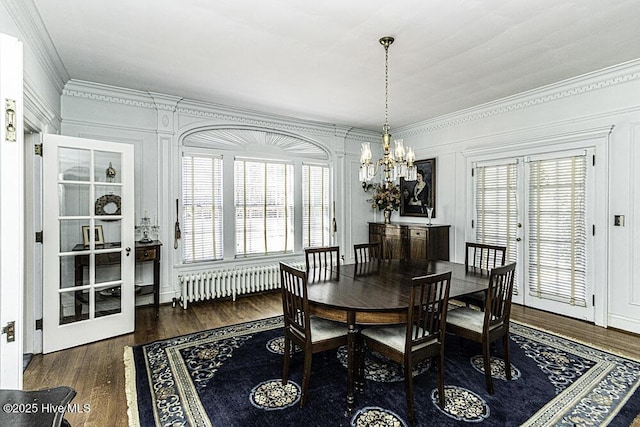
[322, 60]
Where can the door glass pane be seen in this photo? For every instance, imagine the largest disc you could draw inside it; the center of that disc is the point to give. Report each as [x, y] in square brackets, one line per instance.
[496, 209]
[74, 306]
[108, 201]
[111, 233]
[107, 167]
[557, 230]
[73, 164]
[73, 270]
[108, 267]
[108, 300]
[74, 199]
[71, 234]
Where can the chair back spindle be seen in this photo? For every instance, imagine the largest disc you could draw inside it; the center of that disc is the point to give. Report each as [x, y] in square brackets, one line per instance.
[481, 258]
[323, 263]
[428, 309]
[294, 299]
[367, 252]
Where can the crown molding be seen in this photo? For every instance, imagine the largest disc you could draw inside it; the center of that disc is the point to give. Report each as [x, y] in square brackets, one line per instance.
[590, 82]
[206, 110]
[27, 18]
[35, 104]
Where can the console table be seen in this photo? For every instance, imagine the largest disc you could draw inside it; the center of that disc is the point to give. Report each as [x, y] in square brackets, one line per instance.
[411, 241]
[144, 252]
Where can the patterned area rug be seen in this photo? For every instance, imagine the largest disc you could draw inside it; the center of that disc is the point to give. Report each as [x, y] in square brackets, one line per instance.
[231, 376]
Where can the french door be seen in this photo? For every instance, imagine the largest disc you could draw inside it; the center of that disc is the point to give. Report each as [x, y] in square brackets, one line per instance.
[88, 241]
[540, 207]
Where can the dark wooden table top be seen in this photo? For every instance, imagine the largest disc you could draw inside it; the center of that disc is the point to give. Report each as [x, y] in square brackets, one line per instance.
[385, 286]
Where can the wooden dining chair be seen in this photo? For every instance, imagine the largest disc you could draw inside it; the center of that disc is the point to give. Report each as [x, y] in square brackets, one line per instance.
[367, 252]
[480, 258]
[311, 334]
[490, 325]
[427, 315]
[323, 263]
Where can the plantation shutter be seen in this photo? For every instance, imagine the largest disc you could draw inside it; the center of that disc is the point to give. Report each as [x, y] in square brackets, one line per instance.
[201, 208]
[264, 207]
[496, 208]
[557, 229]
[315, 205]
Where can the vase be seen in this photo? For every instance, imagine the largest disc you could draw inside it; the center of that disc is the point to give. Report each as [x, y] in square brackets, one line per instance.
[387, 216]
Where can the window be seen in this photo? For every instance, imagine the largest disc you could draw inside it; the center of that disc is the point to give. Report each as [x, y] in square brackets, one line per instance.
[315, 205]
[264, 207]
[201, 208]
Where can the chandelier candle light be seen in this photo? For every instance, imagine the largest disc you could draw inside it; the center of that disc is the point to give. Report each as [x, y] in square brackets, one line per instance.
[397, 163]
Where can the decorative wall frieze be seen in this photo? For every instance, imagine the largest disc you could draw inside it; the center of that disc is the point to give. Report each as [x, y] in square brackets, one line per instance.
[611, 76]
[106, 93]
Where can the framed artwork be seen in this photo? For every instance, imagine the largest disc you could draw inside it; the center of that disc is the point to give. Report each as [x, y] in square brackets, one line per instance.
[98, 237]
[418, 198]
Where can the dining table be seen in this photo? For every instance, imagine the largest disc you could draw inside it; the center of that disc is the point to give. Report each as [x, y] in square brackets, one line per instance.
[376, 293]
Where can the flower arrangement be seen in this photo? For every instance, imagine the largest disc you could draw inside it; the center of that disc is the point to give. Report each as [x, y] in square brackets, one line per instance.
[386, 197]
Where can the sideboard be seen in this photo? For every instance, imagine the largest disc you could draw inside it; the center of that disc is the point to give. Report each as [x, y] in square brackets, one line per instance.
[411, 241]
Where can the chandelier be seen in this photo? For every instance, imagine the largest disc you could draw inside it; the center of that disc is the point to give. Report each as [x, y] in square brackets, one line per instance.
[394, 163]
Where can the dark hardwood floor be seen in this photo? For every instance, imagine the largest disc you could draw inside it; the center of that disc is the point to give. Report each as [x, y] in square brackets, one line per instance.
[96, 371]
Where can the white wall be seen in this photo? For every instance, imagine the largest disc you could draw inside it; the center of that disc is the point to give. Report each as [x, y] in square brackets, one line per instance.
[554, 115]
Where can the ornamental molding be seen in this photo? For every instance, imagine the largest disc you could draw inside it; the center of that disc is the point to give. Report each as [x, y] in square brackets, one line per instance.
[26, 17]
[250, 139]
[607, 77]
[209, 111]
[111, 94]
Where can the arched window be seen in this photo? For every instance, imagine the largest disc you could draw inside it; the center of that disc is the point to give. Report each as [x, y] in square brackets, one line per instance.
[275, 198]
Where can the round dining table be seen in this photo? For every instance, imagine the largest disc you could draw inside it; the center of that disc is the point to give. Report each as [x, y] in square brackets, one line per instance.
[376, 293]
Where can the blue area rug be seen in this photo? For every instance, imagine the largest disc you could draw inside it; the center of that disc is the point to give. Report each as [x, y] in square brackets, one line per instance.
[231, 377]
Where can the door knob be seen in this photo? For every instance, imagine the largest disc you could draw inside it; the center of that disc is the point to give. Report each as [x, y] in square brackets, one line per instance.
[128, 251]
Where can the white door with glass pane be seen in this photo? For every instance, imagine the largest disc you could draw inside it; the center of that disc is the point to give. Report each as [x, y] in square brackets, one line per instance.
[540, 208]
[88, 242]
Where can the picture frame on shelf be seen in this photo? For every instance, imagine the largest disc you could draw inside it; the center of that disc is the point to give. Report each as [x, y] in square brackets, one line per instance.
[418, 198]
[98, 235]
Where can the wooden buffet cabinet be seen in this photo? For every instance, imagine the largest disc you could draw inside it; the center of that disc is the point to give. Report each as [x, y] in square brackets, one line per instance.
[411, 241]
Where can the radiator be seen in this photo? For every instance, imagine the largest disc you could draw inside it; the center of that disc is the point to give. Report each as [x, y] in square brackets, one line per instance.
[231, 282]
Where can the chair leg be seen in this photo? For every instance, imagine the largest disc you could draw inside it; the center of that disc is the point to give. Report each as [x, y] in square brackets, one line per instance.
[287, 356]
[441, 379]
[507, 361]
[408, 386]
[306, 373]
[486, 356]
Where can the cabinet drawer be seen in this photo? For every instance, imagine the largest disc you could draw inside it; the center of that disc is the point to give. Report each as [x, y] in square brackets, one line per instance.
[145, 254]
[108, 258]
[395, 231]
[417, 233]
[376, 229]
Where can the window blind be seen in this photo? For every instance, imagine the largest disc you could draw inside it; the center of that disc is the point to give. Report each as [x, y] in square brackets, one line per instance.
[557, 230]
[496, 208]
[201, 208]
[315, 205]
[264, 207]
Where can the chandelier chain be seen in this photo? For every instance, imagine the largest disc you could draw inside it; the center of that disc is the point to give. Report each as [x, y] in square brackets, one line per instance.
[386, 86]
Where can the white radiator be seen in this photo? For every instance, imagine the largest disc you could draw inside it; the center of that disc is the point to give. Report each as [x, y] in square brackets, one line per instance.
[231, 282]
